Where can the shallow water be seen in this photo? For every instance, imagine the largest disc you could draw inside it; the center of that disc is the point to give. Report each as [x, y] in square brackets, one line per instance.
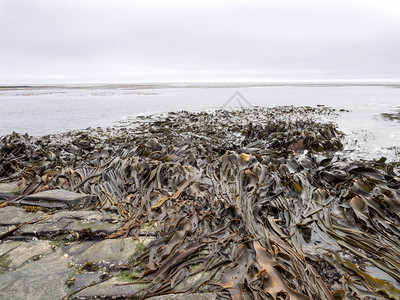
[56, 109]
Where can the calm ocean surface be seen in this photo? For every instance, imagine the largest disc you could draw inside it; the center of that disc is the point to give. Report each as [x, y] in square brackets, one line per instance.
[56, 109]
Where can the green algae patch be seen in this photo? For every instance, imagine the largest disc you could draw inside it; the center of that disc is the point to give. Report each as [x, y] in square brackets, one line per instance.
[5, 261]
[58, 240]
[132, 277]
[147, 228]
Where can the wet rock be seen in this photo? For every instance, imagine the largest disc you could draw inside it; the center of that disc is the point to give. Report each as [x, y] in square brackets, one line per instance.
[75, 221]
[95, 226]
[100, 224]
[42, 228]
[85, 279]
[88, 215]
[112, 288]
[186, 296]
[10, 188]
[20, 253]
[5, 259]
[9, 245]
[5, 229]
[12, 215]
[76, 248]
[43, 279]
[108, 252]
[57, 199]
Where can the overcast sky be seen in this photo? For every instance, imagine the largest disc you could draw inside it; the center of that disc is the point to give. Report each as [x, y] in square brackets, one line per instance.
[89, 41]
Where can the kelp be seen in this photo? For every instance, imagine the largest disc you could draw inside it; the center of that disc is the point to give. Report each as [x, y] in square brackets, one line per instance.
[255, 203]
[391, 116]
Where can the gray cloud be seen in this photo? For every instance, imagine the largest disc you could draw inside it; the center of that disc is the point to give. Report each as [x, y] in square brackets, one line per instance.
[48, 41]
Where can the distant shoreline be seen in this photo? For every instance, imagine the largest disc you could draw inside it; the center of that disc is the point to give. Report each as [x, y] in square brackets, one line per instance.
[138, 86]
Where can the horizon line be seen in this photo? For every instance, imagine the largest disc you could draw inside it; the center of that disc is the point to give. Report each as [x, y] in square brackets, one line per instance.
[287, 81]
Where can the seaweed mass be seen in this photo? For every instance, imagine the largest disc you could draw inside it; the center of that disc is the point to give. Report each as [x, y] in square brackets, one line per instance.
[250, 204]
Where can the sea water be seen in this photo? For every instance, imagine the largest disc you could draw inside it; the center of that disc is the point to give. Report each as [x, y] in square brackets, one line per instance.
[41, 110]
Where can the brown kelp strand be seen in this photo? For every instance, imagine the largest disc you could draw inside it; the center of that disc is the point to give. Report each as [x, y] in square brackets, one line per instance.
[251, 203]
[391, 116]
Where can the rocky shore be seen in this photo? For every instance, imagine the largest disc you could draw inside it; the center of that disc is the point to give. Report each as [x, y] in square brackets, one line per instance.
[249, 204]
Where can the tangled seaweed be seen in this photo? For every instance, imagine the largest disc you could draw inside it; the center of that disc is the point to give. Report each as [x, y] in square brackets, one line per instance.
[255, 203]
[391, 116]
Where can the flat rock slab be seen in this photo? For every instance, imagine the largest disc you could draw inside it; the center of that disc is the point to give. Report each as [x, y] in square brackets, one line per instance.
[186, 296]
[18, 253]
[77, 248]
[10, 188]
[85, 279]
[100, 223]
[12, 215]
[49, 229]
[108, 252]
[9, 245]
[94, 226]
[6, 228]
[57, 199]
[42, 279]
[88, 215]
[110, 289]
